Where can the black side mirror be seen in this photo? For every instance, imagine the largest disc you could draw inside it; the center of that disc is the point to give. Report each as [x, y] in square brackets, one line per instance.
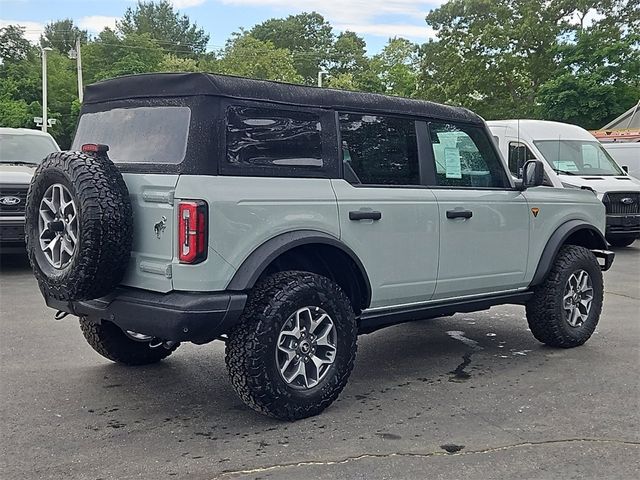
[625, 168]
[532, 174]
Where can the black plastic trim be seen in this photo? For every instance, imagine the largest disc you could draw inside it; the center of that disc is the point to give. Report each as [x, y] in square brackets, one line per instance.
[247, 275]
[372, 321]
[176, 316]
[556, 241]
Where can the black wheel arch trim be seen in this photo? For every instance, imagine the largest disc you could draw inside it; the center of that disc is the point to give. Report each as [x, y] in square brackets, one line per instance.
[257, 262]
[557, 240]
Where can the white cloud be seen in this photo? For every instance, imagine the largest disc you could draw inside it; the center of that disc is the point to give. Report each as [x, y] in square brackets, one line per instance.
[363, 16]
[32, 30]
[186, 3]
[97, 23]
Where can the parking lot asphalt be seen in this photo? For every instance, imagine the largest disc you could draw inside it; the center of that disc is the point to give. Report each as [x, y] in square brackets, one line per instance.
[422, 402]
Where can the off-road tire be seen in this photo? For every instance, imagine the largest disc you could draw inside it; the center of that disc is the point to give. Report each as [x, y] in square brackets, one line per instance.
[544, 310]
[113, 344]
[621, 241]
[251, 346]
[105, 221]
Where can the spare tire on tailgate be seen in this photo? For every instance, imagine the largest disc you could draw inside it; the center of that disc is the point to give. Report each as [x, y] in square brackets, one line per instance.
[79, 226]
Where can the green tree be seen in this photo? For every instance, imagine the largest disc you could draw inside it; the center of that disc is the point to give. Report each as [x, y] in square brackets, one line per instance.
[247, 56]
[112, 56]
[62, 35]
[600, 67]
[13, 46]
[173, 31]
[396, 66]
[348, 54]
[492, 56]
[173, 63]
[308, 36]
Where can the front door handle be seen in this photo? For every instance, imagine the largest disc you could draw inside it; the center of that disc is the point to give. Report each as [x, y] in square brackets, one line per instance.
[459, 214]
[365, 215]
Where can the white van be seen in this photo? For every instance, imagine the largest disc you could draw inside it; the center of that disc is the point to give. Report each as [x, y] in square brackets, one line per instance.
[626, 154]
[573, 158]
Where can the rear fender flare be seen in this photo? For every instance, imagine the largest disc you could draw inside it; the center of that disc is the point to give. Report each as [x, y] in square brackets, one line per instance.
[257, 262]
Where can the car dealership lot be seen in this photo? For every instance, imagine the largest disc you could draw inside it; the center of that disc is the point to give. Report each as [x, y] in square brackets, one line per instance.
[478, 381]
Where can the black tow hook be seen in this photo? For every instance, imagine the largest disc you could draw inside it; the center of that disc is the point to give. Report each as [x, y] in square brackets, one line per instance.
[60, 315]
[158, 342]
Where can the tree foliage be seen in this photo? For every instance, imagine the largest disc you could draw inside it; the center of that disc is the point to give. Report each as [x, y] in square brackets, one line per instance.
[173, 32]
[247, 56]
[308, 36]
[62, 35]
[576, 61]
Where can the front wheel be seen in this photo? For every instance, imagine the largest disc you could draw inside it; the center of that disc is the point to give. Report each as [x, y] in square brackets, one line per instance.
[294, 348]
[565, 308]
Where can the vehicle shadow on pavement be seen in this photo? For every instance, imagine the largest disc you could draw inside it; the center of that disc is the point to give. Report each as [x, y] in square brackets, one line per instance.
[191, 388]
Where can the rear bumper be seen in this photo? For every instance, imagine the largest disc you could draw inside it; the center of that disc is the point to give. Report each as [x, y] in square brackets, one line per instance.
[175, 316]
[623, 225]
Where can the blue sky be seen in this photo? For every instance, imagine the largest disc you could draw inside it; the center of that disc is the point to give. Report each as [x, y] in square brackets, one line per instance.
[375, 20]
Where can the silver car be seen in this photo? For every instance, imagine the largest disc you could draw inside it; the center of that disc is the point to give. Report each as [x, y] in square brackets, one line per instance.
[21, 151]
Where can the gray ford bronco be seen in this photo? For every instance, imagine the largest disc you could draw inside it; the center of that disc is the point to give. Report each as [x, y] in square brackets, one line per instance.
[285, 220]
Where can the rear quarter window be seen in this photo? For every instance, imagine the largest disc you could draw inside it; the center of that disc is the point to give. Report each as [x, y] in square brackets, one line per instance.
[138, 135]
[274, 142]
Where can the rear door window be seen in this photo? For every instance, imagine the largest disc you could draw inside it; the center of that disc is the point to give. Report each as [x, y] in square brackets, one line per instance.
[138, 135]
[379, 150]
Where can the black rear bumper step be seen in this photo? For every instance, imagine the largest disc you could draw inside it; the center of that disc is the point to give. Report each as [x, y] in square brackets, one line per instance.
[175, 316]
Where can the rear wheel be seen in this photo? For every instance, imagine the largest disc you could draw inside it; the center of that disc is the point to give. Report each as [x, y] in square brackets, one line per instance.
[129, 348]
[621, 241]
[294, 348]
[565, 309]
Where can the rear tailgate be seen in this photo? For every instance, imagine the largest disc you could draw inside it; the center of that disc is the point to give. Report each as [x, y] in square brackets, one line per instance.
[154, 231]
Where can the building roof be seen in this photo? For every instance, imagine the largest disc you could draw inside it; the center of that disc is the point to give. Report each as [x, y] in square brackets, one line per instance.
[157, 85]
[628, 120]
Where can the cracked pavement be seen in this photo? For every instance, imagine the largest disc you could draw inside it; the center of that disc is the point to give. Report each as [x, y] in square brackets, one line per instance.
[478, 384]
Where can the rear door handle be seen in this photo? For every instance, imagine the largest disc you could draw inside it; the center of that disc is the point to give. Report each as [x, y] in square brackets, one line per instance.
[459, 214]
[365, 215]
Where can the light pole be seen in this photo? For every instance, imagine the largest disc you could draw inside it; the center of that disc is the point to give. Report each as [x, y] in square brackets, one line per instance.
[45, 120]
[320, 74]
[77, 55]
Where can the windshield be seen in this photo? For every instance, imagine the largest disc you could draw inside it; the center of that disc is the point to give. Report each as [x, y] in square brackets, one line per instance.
[578, 157]
[25, 148]
[139, 135]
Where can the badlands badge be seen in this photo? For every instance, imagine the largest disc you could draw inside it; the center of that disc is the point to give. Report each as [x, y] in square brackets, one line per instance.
[535, 211]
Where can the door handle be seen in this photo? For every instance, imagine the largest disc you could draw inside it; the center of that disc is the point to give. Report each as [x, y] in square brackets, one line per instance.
[459, 214]
[365, 215]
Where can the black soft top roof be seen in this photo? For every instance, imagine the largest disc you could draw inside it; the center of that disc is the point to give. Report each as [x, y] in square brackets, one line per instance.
[158, 85]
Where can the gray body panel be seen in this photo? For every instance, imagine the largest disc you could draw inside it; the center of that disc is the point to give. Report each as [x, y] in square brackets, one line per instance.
[413, 254]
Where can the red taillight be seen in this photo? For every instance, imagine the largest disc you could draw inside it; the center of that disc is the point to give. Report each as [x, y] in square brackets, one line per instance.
[192, 231]
[94, 148]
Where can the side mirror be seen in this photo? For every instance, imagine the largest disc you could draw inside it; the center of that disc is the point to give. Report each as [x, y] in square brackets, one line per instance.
[532, 174]
[625, 168]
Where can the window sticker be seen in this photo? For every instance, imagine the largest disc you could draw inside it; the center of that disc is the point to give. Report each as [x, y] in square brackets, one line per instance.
[566, 165]
[452, 163]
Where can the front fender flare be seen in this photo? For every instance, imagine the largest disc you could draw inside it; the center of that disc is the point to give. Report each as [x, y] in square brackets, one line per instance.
[557, 240]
